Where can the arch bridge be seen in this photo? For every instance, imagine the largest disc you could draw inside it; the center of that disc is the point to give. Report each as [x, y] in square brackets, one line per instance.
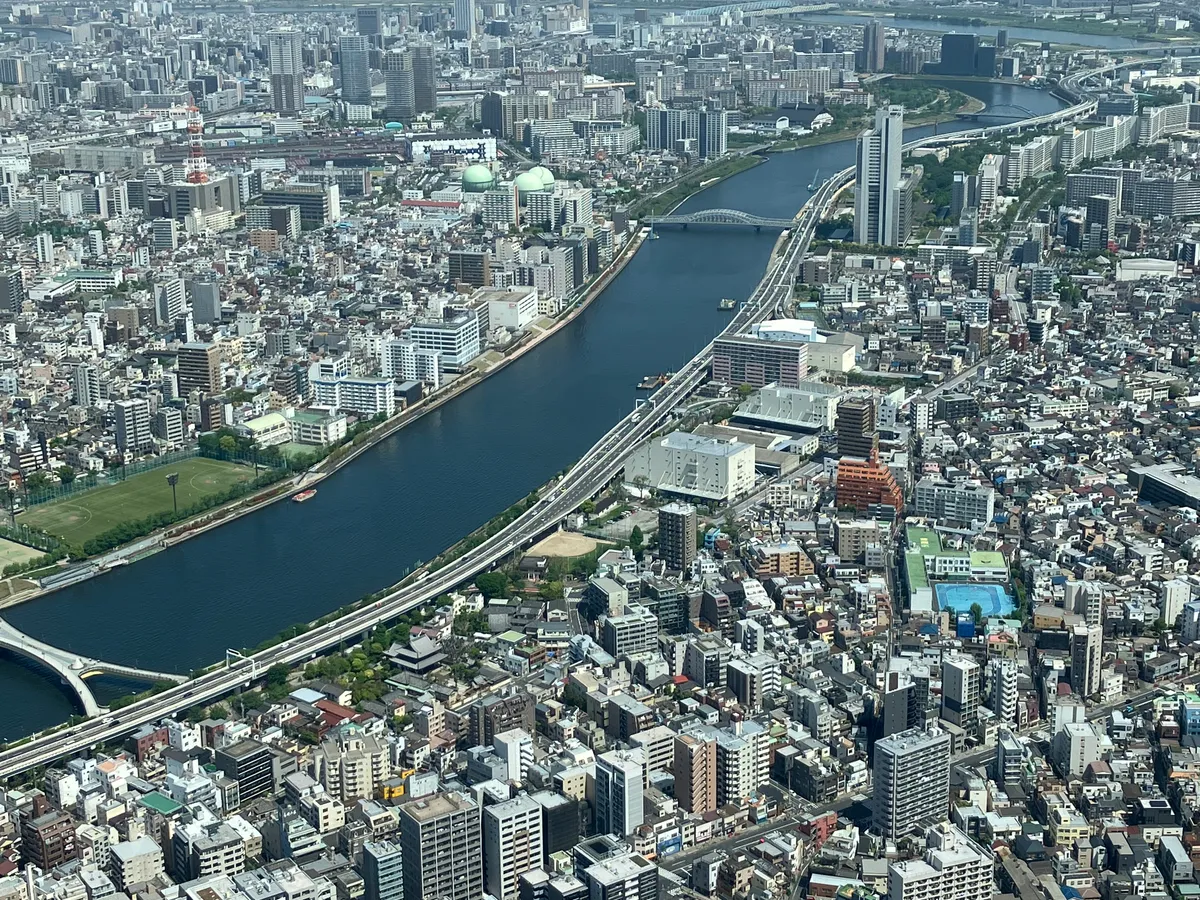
[721, 218]
[1009, 111]
[74, 669]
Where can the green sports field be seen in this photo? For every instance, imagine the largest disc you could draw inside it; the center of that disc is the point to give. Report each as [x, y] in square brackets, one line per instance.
[85, 515]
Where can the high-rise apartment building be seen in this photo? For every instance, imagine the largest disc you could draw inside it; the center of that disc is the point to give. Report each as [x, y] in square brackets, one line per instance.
[695, 771]
[857, 434]
[877, 178]
[874, 46]
[12, 290]
[619, 792]
[382, 871]
[677, 535]
[1086, 658]
[199, 368]
[512, 844]
[169, 301]
[133, 426]
[961, 690]
[285, 57]
[86, 382]
[354, 52]
[441, 846]
[911, 780]
[399, 84]
[48, 840]
[954, 868]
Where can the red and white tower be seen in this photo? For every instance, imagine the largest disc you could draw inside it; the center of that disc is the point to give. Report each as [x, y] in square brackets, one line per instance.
[196, 165]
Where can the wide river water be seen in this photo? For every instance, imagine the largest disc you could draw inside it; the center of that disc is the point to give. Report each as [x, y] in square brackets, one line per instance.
[437, 480]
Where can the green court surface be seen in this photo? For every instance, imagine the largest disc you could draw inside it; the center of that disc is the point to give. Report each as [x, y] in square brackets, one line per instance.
[85, 515]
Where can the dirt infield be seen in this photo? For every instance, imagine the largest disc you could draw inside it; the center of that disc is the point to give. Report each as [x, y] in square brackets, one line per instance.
[564, 544]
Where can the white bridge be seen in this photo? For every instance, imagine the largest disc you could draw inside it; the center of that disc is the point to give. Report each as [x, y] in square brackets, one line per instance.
[73, 669]
[724, 217]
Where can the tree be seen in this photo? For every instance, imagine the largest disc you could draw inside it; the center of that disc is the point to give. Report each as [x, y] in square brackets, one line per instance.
[745, 390]
[977, 613]
[277, 675]
[637, 541]
[492, 584]
[228, 443]
[551, 590]
[37, 481]
[65, 474]
[587, 507]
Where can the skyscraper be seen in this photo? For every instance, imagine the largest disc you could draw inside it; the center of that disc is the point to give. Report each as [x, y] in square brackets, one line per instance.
[464, 16]
[874, 47]
[1086, 657]
[382, 871]
[398, 81]
[440, 843]
[619, 792]
[912, 780]
[424, 66]
[285, 56]
[876, 206]
[677, 535]
[512, 844]
[857, 435]
[368, 20]
[355, 53]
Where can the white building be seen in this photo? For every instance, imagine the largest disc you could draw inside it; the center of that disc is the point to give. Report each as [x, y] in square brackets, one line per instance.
[515, 747]
[135, 862]
[683, 463]
[455, 338]
[876, 199]
[954, 868]
[512, 310]
[961, 504]
[912, 780]
[403, 360]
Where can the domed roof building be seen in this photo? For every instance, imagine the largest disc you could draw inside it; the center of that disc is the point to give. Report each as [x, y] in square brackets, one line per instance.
[528, 183]
[476, 179]
[546, 176]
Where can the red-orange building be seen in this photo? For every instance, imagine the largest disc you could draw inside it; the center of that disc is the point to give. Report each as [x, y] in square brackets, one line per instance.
[861, 483]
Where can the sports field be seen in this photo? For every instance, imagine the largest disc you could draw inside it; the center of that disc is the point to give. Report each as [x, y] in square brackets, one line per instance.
[81, 517]
[11, 552]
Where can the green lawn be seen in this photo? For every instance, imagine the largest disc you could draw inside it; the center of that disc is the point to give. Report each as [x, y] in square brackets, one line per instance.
[85, 515]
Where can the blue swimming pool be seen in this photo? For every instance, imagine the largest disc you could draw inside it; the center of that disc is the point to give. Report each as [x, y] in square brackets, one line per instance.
[994, 599]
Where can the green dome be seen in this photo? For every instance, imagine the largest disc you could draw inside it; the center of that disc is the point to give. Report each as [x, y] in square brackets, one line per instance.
[476, 179]
[544, 174]
[529, 183]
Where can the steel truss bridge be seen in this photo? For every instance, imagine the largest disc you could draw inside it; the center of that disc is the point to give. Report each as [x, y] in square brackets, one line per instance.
[720, 217]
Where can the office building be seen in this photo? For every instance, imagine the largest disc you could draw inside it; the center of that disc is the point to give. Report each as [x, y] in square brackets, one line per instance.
[694, 466]
[319, 204]
[954, 867]
[469, 267]
[382, 871]
[464, 17]
[205, 294]
[695, 771]
[133, 426]
[455, 337]
[441, 844]
[512, 844]
[168, 427]
[354, 53]
[877, 179]
[560, 822]
[961, 690]
[86, 382]
[911, 780]
[619, 792]
[169, 301]
[285, 57]
[874, 46]
[12, 290]
[857, 433]
[622, 877]
[424, 66]
[251, 765]
[198, 367]
[399, 85]
[1086, 658]
[677, 535]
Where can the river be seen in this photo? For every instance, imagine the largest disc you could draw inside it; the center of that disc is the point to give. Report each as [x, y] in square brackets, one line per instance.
[1015, 33]
[427, 486]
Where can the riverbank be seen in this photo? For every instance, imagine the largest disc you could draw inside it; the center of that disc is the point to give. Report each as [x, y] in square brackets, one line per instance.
[938, 16]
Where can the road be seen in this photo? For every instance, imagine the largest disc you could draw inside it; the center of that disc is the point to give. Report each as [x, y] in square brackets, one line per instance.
[594, 470]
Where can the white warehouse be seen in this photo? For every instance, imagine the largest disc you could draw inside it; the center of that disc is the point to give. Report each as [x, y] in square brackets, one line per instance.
[683, 463]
